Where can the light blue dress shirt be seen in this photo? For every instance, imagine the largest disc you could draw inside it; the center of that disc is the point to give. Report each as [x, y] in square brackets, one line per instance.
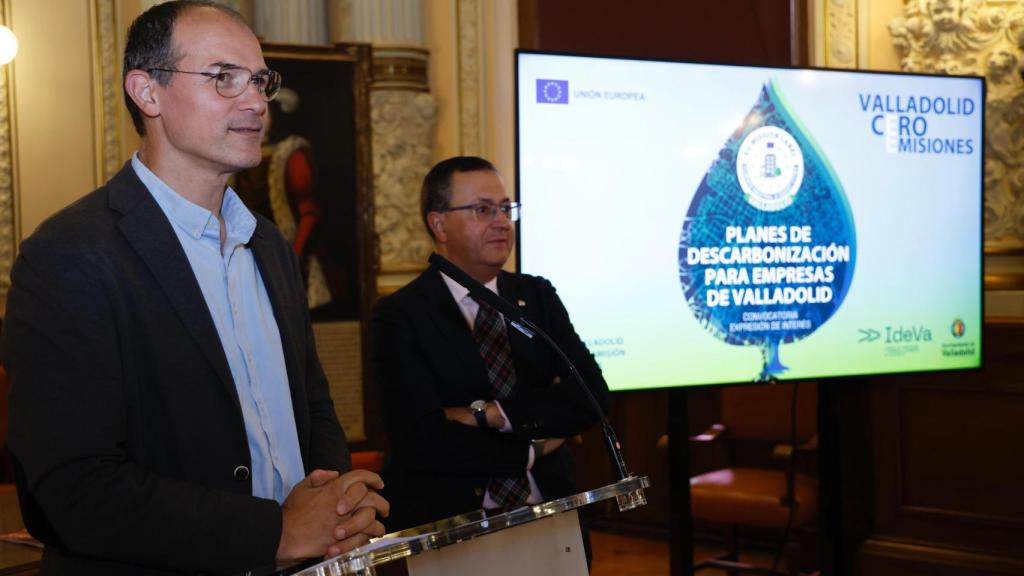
[238, 302]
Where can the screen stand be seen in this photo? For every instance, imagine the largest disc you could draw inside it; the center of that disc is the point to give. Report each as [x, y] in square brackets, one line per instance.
[830, 517]
[680, 526]
[845, 473]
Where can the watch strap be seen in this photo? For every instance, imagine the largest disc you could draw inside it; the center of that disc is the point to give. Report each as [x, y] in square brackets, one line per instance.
[481, 417]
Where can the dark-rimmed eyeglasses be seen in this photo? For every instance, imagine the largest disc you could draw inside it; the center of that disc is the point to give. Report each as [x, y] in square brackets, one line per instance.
[485, 212]
[232, 81]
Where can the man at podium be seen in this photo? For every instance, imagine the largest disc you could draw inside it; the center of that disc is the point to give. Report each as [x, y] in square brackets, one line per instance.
[168, 412]
[477, 413]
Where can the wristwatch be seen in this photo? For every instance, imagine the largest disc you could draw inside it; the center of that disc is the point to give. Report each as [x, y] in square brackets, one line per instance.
[479, 410]
[538, 447]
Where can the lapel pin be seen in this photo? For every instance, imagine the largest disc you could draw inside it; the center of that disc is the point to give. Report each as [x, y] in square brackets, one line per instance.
[521, 302]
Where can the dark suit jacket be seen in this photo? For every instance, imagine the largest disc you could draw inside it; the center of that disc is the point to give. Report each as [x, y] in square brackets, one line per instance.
[425, 359]
[125, 422]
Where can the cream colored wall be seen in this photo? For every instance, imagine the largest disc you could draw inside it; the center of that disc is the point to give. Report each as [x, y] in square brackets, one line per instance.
[501, 28]
[881, 55]
[53, 101]
[441, 34]
[497, 37]
[852, 33]
[127, 11]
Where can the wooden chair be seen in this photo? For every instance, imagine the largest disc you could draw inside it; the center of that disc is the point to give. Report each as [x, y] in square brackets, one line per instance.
[777, 492]
[372, 460]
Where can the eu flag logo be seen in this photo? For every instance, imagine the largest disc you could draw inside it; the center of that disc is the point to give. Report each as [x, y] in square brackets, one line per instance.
[552, 91]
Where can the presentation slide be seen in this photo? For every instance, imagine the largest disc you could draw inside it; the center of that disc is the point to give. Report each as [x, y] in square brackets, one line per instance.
[709, 224]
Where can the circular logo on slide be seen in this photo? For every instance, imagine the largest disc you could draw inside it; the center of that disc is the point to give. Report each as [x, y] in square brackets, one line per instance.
[552, 91]
[958, 328]
[770, 168]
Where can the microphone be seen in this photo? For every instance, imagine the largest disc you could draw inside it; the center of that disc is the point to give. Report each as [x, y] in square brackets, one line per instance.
[479, 292]
[519, 321]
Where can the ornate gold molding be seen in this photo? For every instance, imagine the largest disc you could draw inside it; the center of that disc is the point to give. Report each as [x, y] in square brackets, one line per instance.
[402, 122]
[984, 38]
[106, 90]
[400, 68]
[8, 172]
[403, 115]
[470, 89]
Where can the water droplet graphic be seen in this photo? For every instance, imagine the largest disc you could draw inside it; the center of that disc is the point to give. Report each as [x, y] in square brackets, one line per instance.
[768, 245]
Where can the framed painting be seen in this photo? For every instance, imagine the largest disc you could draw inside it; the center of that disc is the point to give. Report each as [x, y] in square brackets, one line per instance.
[315, 184]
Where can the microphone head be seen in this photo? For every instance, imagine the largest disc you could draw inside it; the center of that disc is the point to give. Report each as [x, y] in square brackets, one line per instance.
[476, 289]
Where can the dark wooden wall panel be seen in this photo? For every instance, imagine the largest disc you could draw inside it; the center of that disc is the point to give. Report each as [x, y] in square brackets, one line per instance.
[948, 457]
[885, 558]
[952, 454]
[729, 31]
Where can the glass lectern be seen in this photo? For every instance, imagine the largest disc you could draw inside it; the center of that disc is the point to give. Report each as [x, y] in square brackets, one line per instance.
[536, 539]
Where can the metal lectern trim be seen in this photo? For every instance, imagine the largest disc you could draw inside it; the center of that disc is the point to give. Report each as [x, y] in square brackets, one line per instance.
[397, 545]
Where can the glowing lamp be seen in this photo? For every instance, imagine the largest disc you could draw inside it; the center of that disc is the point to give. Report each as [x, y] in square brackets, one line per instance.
[8, 45]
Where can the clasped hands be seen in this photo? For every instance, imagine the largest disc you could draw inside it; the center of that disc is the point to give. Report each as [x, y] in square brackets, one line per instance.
[328, 514]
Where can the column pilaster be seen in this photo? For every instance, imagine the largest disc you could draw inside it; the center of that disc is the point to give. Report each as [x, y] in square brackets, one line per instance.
[403, 116]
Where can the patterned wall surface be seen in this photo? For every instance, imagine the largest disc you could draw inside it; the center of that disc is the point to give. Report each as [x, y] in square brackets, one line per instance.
[108, 102]
[8, 220]
[983, 38]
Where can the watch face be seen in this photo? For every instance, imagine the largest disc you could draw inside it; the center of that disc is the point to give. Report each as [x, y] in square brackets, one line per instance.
[478, 406]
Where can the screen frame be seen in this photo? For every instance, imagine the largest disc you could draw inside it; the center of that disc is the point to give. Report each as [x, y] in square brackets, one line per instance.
[517, 53]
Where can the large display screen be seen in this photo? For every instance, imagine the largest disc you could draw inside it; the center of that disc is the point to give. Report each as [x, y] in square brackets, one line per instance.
[709, 224]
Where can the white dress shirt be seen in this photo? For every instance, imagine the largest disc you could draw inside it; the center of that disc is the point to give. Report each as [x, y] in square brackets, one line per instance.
[469, 307]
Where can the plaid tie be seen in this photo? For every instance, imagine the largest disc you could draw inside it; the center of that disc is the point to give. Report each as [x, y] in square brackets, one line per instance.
[489, 333]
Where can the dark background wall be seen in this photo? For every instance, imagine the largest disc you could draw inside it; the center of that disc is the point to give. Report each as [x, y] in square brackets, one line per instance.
[729, 31]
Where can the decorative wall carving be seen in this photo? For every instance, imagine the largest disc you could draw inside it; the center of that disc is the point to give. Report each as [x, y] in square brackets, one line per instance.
[400, 68]
[107, 87]
[402, 118]
[8, 221]
[402, 122]
[984, 38]
[470, 89]
[842, 33]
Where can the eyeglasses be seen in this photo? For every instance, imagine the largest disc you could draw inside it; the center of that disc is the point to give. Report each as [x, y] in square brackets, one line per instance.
[484, 212]
[233, 80]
